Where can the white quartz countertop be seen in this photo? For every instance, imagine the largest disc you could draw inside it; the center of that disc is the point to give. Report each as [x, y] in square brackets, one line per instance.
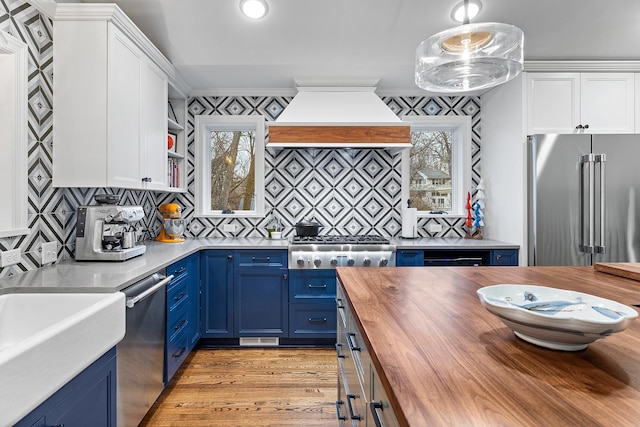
[81, 276]
[450, 243]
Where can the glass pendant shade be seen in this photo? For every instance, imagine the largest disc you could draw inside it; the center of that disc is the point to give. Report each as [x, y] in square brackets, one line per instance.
[469, 57]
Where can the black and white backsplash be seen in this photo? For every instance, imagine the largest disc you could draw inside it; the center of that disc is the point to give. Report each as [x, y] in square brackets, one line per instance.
[347, 191]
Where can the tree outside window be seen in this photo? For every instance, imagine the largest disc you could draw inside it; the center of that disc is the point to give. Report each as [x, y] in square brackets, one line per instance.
[232, 156]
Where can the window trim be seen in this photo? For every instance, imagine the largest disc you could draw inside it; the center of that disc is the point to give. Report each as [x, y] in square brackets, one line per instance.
[206, 124]
[460, 163]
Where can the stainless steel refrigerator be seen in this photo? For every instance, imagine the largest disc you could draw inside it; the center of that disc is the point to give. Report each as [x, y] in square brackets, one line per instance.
[583, 199]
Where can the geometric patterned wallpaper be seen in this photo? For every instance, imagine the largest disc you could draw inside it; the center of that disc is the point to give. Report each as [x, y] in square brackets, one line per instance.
[348, 191]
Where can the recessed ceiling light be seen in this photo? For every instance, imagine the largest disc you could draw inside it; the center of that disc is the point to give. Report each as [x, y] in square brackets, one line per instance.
[457, 14]
[254, 9]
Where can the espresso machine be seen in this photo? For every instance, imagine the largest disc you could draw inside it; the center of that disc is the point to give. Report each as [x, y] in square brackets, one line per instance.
[103, 231]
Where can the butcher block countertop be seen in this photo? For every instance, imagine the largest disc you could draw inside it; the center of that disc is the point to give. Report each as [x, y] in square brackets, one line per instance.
[444, 360]
[630, 270]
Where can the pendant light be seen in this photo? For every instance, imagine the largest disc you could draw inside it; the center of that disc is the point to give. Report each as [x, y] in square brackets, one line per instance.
[469, 57]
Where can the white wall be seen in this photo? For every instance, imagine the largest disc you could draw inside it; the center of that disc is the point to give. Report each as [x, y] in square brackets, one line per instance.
[504, 163]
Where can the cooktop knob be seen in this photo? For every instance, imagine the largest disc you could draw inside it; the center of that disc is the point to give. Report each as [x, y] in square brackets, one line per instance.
[334, 261]
[383, 262]
[366, 262]
[301, 262]
[317, 262]
[351, 262]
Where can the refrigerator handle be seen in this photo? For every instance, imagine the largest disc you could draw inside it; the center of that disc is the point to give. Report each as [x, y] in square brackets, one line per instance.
[588, 246]
[601, 159]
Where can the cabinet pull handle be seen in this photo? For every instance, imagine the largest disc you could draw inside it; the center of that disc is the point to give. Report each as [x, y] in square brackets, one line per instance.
[339, 303]
[351, 342]
[579, 127]
[259, 259]
[318, 319]
[179, 297]
[317, 286]
[180, 325]
[180, 270]
[498, 256]
[339, 351]
[353, 416]
[146, 179]
[586, 126]
[179, 352]
[338, 404]
[229, 258]
[285, 276]
[374, 410]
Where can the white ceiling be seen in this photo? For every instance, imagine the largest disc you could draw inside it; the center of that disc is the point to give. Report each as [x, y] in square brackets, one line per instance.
[215, 48]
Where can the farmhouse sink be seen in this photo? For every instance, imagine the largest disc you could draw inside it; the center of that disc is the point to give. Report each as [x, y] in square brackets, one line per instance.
[47, 339]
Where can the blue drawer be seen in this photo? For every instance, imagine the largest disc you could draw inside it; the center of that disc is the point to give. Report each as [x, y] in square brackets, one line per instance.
[261, 258]
[312, 320]
[177, 294]
[312, 286]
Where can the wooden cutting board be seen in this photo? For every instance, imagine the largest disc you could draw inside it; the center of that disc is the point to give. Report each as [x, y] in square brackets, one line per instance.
[630, 270]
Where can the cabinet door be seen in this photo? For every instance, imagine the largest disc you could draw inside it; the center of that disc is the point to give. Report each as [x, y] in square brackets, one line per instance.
[409, 258]
[504, 257]
[216, 316]
[607, 102]
[261, 302]
[89, 399]
[194, 291]
[553, 102]
[124, 99]
[154, 141]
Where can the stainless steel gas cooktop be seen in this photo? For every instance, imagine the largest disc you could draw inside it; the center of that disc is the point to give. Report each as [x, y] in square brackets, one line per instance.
[329, 252]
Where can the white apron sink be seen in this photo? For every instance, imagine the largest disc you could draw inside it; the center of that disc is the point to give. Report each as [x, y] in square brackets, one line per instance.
[47, 339]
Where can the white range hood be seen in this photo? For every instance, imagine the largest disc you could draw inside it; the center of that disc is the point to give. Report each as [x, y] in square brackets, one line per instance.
[332, 117]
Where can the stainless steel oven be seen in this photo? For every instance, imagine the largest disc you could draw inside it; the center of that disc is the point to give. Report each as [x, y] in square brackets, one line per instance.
[141, 352]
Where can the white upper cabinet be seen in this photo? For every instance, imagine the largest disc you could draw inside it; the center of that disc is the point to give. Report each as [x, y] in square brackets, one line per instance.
[110, 104]
[580, 102]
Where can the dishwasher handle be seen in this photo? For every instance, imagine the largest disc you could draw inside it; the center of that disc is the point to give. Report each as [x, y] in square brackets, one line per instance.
[132, 301]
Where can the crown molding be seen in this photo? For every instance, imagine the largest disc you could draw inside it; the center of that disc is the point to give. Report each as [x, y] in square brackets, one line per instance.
[582, 66]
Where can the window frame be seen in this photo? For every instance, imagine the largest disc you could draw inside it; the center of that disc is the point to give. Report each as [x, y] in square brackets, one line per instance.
[460, 162]
[203, 126]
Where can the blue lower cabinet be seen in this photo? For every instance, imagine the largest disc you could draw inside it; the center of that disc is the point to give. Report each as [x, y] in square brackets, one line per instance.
[89, 399]
[216, 315]
[504, 257]
[261, 300]
[312, 320]
[409, 258]
[312, 307]
[183, 313]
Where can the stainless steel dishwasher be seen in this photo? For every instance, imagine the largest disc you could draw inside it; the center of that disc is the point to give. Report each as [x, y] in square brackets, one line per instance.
[140, 354]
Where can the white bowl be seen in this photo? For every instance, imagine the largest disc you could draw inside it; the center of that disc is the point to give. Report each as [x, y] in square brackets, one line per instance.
[555, 318]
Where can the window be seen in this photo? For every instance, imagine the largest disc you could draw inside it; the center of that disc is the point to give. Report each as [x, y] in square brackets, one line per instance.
[230, 166]
[436, 170]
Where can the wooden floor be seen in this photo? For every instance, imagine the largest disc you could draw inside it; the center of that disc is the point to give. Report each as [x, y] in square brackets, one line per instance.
[251, 387]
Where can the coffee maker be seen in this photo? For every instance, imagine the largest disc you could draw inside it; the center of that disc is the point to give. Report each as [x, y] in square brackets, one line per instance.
[102, 231]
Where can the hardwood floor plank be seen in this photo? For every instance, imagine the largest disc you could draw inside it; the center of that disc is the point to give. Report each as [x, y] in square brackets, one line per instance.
[250, 387]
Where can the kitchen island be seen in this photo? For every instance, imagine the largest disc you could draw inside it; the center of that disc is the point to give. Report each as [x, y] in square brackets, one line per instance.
[443, 359]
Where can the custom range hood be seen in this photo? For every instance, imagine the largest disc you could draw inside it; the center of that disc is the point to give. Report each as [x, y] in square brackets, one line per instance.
[334, 117]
